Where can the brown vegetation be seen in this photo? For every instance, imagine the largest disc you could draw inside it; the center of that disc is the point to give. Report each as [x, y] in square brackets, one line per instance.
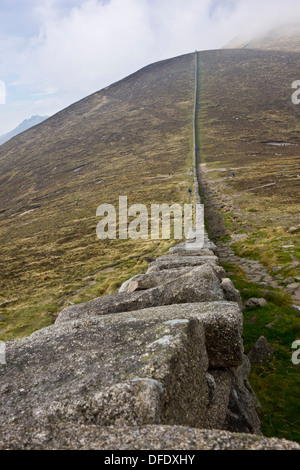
[131, 139]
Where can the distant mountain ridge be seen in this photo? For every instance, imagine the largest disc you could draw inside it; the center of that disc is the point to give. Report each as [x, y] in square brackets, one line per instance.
[24, 126]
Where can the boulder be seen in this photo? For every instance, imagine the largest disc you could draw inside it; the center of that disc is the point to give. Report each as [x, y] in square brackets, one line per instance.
[293, 286]
[296, 307]
[174, 262]
[296, 295]
[231, 293]
[134, 368]
[129, 371]
[244, 410]
[147, 281]
[254, 302]
[232, 402]
[190, 249]
[289, 280]
[222, 322]
[200, 284]
[219, 385]
[277, 268]
[261, 351]
[220, 272]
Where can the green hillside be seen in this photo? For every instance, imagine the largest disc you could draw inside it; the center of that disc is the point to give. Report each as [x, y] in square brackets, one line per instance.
[131, 139]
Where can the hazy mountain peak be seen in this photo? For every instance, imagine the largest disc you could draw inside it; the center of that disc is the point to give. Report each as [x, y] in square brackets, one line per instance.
[24, 126]
[283, 38]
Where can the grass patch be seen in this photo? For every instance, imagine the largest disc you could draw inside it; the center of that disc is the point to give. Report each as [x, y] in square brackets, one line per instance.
[276, 384]
[272, 246]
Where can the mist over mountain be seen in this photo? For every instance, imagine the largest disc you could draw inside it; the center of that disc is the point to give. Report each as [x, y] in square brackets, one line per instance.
[283, 38]
[24, 126]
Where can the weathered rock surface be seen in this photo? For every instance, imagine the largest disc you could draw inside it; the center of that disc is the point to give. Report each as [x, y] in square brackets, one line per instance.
[167, 350]
[231, 293]
[71, 369]
[174, 262]
[150, 280]
[244, 408]
[233, 404]
[192, 247]
[158, 278]
[184, 251]
[70, 436]
[222, 323]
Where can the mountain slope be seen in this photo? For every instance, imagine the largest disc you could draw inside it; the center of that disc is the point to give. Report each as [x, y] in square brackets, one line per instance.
[250, 127]
[248, 122]
[131, 139]
[24, 126]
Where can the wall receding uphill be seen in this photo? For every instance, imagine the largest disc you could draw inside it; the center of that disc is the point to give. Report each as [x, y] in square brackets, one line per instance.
[158, 365]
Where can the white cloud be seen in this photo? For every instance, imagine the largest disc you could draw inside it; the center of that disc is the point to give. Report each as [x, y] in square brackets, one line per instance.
[2, 92]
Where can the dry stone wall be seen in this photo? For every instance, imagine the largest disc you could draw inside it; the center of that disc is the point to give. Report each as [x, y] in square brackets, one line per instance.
[166, 352]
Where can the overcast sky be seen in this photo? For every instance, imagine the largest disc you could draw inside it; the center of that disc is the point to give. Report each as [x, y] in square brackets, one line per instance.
[55, 52]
